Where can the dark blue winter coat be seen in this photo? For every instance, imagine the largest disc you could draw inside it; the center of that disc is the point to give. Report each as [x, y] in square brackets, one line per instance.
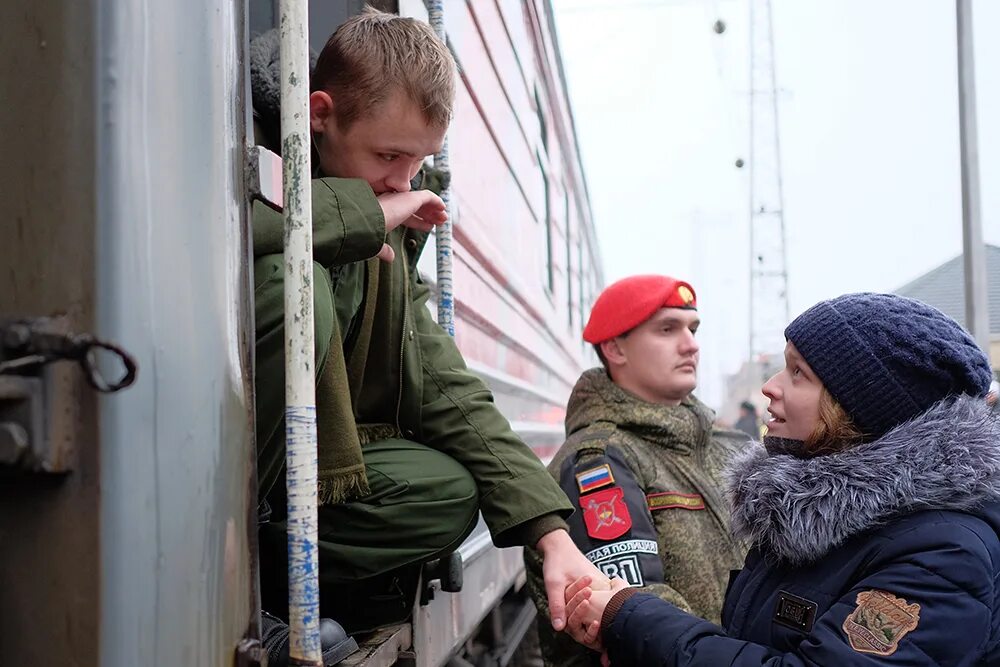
[885, 554]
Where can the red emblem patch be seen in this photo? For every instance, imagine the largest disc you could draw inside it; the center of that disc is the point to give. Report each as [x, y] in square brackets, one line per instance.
[605, 513]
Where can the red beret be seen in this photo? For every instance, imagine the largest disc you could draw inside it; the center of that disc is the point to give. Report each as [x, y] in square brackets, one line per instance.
[629, 302]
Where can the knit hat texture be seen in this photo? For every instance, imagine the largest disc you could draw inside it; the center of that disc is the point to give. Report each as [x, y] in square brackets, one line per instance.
[887, 358]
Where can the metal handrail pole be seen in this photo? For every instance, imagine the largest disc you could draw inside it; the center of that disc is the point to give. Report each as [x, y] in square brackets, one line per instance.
[300, 388]
[977, 318]
[445, 285]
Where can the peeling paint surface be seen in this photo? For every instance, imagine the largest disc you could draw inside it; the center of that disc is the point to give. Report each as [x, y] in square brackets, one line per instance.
[303, 557]
[300, 387]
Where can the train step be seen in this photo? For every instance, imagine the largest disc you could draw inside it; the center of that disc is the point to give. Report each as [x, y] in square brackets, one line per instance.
[384, 648]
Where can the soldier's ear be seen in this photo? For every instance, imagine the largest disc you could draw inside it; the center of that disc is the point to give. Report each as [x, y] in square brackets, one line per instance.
[321, 110]
[613, 352]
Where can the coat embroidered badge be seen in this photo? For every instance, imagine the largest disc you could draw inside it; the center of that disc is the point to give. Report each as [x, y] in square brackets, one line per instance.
[605, 513]
[879, 621]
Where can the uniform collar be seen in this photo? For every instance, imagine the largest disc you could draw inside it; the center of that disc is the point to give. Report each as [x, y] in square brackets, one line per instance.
[682, 428]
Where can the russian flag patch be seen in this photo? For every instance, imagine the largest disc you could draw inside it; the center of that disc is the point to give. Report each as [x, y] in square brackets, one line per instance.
[595, 478]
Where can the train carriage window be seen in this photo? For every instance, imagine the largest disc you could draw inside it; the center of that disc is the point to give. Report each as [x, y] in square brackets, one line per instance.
[583, 302]
[263, 16]
[550, 285]
[550, 282]
[542, 128]
[569, 259]
[324, 16]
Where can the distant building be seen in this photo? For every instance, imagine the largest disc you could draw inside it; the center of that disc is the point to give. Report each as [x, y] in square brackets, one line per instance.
[745, 384]
[944, 288]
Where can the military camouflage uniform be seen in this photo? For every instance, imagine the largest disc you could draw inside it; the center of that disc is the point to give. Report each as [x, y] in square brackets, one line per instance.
[651, 509]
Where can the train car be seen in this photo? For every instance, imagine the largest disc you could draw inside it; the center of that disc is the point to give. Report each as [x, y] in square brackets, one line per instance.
[128, 515]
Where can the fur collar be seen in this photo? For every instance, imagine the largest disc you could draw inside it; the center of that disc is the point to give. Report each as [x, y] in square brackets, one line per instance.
[797, 510]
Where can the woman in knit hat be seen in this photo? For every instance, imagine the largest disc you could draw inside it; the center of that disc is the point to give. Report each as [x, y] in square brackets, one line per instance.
[872, 509]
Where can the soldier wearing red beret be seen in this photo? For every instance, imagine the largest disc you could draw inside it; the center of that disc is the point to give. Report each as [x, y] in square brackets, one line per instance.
[642, 459]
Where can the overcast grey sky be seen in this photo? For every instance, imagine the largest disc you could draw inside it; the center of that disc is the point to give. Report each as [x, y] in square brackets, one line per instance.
[869, 139]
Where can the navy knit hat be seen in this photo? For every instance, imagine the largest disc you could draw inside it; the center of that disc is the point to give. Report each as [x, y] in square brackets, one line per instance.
[886, 358]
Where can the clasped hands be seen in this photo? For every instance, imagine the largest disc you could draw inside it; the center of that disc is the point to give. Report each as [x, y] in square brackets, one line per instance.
[577, 591]
[586, 600]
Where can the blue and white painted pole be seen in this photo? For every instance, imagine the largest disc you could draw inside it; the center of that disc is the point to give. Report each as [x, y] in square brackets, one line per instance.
[300, 388]
[446, 294]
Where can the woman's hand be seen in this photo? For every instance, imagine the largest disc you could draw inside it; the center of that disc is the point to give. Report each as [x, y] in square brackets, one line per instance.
[585, 607]
[562, 565]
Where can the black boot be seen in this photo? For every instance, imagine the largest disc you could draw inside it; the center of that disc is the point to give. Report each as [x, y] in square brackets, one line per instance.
[334, 642]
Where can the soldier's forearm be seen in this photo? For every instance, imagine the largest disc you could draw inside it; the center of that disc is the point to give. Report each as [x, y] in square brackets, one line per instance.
[533, 531]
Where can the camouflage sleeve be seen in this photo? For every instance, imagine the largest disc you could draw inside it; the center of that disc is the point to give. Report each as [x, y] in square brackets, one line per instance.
[614, 527]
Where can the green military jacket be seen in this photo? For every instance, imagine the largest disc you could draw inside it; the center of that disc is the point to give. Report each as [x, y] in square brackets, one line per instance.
[660, 521]
[414, 378]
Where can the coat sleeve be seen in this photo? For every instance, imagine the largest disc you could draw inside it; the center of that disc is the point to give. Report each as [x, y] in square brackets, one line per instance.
[348, 225]
[458, 417]
[940, 572]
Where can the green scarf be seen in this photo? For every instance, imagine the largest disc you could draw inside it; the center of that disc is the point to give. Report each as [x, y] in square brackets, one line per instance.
[341, 465]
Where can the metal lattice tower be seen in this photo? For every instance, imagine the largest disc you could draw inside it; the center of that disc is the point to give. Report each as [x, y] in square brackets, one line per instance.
[768, 266]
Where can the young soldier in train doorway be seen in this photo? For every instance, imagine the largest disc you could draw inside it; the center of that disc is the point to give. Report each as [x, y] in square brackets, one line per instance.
[642, 459]
[411, 445]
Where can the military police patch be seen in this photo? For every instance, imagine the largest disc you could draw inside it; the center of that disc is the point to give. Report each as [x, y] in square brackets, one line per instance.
[613, 527]
[879, 621]
[605, 513]
[626, 568]
[623, 559]
[607, 551]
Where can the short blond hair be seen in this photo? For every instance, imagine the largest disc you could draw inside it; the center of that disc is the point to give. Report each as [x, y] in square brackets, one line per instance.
[375, 53]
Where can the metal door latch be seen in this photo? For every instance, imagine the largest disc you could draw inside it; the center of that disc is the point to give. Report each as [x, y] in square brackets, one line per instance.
[27, 350]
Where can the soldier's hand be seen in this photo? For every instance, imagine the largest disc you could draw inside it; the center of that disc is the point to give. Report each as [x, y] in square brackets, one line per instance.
[562, 565]
[420, 209]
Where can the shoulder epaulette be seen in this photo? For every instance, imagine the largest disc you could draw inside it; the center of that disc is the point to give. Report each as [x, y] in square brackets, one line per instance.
[597, 431]
[593, 439]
